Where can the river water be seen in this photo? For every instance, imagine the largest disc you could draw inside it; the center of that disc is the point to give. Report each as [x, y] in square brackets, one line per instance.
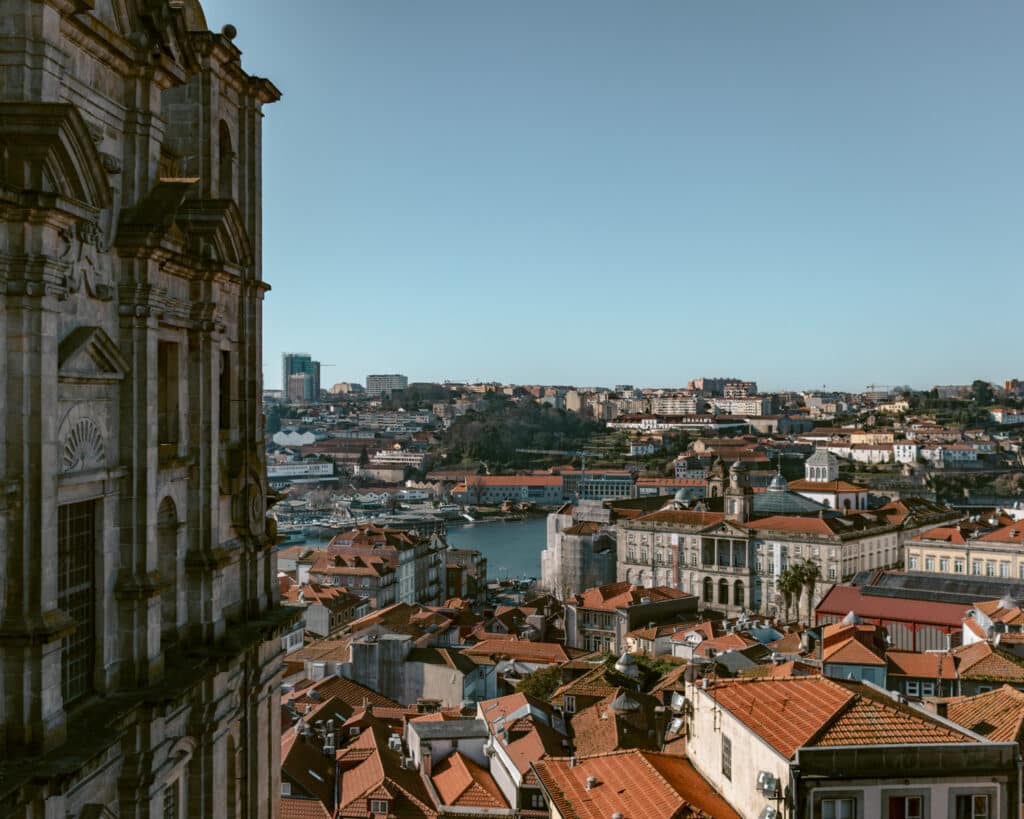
[512, 548]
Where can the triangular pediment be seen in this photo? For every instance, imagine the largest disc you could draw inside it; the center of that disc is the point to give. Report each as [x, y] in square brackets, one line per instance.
[725, 529]
[89, 354]
[214, 229]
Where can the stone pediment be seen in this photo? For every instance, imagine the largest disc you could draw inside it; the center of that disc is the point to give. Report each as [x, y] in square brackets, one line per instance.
[88, 354]
[214, 229]
[49, 148]
[726, 529]
[208, 229]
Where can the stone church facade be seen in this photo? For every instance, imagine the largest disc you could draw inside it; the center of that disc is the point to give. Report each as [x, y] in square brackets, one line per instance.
[140, 651]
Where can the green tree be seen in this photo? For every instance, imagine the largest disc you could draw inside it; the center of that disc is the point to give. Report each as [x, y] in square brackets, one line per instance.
[542, 683]
[981, 393]
[364, 457]
[790, 584]
[809, 573]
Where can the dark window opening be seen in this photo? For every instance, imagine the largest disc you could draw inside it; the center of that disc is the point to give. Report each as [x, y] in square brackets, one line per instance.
[76, 597]
[167, 392]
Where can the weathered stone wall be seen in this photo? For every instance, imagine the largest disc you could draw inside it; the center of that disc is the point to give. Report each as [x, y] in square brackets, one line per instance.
[130, 379]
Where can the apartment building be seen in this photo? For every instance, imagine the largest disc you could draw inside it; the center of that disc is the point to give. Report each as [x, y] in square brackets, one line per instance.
[814, 747]
[952, 550]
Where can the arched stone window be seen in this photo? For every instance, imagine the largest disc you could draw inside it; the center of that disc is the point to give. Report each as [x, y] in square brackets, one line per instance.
[709, 590]
[168, 560]
[723, 592]
[737, 594]
[846, 504]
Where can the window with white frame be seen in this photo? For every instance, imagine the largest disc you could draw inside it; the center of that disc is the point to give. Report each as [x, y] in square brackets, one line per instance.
[973, 806]
[378, 806]
[569, 704]
[958, 566]
[727, 758]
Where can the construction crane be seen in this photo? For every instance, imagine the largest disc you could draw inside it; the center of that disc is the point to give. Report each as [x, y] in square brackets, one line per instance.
[574, 453]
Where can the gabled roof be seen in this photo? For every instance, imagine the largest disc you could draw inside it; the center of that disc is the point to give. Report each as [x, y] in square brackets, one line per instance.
[982, 661]
[807, 711]
[915, 664]
[297, 808]
[852, 651]
[634, 783]
[462, 783]
[614, 596]
[997, 715]
[369, 769]
[523, 725]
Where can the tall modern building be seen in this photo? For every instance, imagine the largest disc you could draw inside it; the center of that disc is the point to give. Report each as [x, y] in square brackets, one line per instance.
[305, 387]
[140, 631]
[378, 385]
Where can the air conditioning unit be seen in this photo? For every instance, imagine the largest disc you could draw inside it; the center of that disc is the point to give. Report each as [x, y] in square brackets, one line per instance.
[769, 812]
[768, 784]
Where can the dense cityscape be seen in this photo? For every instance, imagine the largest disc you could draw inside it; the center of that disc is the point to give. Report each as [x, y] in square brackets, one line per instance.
[408, 599]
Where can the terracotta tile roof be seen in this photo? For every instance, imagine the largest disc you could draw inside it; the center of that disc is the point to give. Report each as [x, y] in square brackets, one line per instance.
[369, 769]
[981, 661]
[790, 668]
[523, 650]
[338, 689]
[1011, 615]
[682, 517]
[802, 485]
[619, 721]
[462, 783]
[997, 715]
[871, 721]
[945, 534]
[528, 722]
[922, 666]
[785, 713]
[726, 642]
[614, 596]
[1014, 533]
[789, 523]
[295, 808]
[303, 762]
[705, 630]
[812, 711]
[637, 784]
[852, 652]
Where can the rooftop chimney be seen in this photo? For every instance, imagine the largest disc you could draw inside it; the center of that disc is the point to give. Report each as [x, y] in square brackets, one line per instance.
[591, 782]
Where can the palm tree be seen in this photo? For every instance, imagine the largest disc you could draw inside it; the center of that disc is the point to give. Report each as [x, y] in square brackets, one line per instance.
[790, 584]
[809, 573]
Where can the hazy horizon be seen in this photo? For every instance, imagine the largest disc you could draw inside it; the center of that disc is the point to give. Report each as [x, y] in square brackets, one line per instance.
[594, 193]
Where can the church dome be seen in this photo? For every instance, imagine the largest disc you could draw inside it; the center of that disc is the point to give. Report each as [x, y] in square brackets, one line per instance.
[681, 496]
[778, 484]
[717, 469]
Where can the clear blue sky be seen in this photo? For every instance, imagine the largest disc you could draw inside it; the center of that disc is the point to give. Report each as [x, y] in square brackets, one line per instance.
[592, 192]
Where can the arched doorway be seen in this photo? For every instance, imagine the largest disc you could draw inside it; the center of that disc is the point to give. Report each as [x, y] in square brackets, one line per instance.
[737, 594]
[709, 590]
[723, 592]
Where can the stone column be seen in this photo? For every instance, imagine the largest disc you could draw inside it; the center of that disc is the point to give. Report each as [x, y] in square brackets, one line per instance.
[137, 590]
[31, 627]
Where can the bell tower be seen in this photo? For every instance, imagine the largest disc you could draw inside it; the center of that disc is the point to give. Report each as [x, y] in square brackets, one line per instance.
[739, 497]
